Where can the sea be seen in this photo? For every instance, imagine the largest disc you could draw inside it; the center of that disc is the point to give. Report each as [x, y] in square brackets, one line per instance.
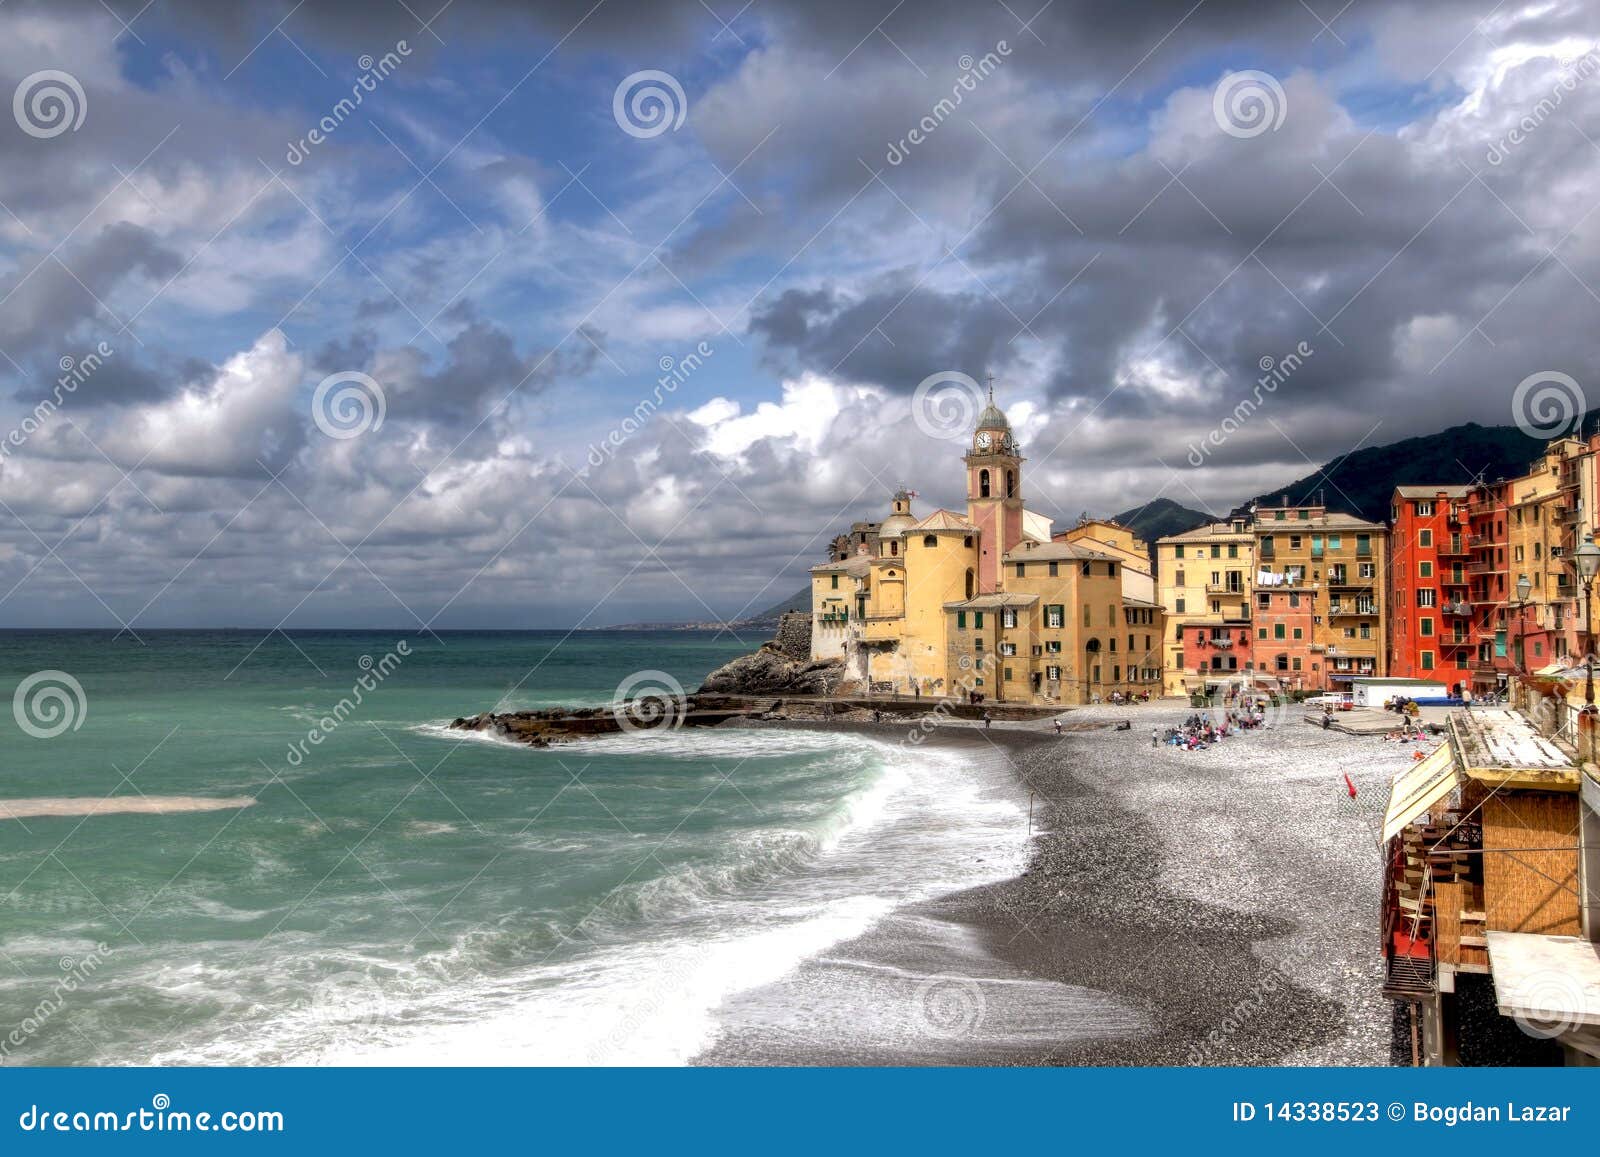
[396, 892]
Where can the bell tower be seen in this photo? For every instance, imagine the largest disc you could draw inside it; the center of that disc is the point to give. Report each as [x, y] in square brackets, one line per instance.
[994, 492]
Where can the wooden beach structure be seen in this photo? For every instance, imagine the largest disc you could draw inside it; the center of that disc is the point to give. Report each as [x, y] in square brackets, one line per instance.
[1491, 865]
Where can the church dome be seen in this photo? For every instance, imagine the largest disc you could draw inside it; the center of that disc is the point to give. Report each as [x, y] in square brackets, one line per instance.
[896, 525]
[993, 417]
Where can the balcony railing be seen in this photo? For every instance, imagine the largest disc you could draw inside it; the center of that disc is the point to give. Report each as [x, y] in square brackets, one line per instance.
[1453, 549]
[1481, 568]
[1349, 610]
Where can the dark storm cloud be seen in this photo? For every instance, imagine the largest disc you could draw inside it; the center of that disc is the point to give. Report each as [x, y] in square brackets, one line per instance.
[45, 302]
[894, 335]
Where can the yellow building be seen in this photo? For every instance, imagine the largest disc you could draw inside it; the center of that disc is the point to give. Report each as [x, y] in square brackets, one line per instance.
[1116, 540]
[1320, 592]
[1206, 577]
[984, 603]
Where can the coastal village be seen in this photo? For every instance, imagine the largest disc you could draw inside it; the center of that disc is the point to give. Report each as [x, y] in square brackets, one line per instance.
[1472, 596]
[1421, 804]
[1465, 587]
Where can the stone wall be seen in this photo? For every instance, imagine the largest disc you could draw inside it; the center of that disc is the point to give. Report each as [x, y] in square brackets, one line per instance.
[793, 637]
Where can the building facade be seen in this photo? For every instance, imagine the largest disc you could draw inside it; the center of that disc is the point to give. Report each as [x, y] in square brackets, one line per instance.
[984, 602]
[1205, 582]
[1430, 613]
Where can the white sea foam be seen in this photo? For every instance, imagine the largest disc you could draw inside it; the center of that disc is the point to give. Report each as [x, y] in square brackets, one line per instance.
[930, 821]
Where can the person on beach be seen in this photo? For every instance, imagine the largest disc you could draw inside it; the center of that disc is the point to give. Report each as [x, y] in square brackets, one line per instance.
[1058, 727]
[1155, 737]
[987, 719]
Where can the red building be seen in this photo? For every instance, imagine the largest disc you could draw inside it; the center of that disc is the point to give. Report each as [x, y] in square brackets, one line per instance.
[1286, 640]
[1431, 614]
[1491, 664]
[1218, 652]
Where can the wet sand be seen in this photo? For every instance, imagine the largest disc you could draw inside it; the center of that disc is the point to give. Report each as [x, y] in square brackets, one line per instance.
[1208, 907]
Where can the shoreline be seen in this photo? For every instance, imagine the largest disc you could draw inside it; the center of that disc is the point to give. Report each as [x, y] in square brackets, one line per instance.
[1117, 903]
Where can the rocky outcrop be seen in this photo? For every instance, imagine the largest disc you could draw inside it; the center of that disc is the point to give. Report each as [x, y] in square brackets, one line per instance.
[771, 672]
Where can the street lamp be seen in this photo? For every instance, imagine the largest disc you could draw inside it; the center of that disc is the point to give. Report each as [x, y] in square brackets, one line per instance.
[1588, 567]
[1524, 589]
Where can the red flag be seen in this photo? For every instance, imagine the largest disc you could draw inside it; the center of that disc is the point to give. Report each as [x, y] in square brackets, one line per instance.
[1350, 785]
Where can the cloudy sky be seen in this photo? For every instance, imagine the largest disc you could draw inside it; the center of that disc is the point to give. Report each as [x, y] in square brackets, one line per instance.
[590, 312]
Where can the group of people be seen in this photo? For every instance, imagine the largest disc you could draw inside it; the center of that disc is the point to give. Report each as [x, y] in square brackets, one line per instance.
[1200, 730]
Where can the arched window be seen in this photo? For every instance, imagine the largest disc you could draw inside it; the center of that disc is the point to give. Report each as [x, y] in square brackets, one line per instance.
[983, 484]
[970, 583]
[967, 541]
[930, 540]
[1011, 483]
[894, 548]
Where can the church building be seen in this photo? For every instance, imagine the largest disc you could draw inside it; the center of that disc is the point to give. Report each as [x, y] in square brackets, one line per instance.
[984, 602]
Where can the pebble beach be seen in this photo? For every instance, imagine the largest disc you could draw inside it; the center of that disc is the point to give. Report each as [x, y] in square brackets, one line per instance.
[1216, 906]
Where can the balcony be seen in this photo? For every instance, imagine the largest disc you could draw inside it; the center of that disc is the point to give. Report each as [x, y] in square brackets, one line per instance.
[1482, 567]
[1454, 549]
[1569, 515]
[1460, 609]
[1352, 610]
[1478, 541]
[1226, 589]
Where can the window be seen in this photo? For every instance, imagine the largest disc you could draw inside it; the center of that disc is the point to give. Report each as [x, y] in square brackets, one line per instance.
[1179, 577]
[1425, 628]
[983, 484]
[977, 619]
[835, 582]
[1299, 632]
[1295, 662]
[1008, 674]
[1233, 550]
[1052, 672]
[1424, 538]
[1427, 660]
[1116, 673]
[1177, 660]
[1055, 570]
[1277, 630]
[1294, 541]
[1177, 606]
[1216, 551]
[1426, 597]
[930, 540]
[1055, 616]
[1008, 619]
[1425, 509]
[1369, 570]
[1053, 647]
[961, 620]
[1008, 648]
[1022, 570]
[1261, 632]
[1177, 552]
[1087, 570]
[1425, 569]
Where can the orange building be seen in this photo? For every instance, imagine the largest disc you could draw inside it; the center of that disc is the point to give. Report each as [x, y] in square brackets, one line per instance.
[1430, 612]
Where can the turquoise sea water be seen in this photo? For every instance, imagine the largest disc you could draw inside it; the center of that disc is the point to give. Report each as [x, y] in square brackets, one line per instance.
[400, 893]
